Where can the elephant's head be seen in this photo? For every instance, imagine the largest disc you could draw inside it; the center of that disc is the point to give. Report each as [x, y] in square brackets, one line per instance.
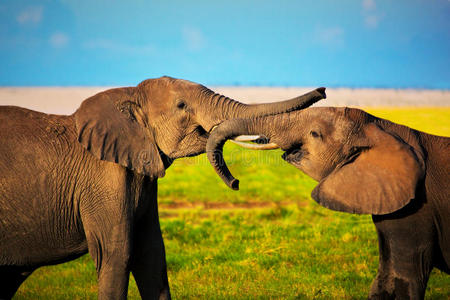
[145, 127]
[363, 164]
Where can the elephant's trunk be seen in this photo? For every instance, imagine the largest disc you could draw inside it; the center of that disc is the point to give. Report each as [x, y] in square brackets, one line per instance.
[266, 109]
[243, 119]
[231, 129]
[231, 109]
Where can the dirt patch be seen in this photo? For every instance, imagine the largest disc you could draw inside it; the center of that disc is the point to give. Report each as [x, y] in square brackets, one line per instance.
[226, 205]
[180, 205]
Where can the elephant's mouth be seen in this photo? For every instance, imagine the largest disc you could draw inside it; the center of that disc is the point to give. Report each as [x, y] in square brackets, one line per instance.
[167, 161]
[201, 131]
[294, 154]
[191, 144]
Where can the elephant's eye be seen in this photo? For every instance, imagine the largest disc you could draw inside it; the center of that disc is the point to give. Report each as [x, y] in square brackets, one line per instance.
[315, 134]
[181, 104]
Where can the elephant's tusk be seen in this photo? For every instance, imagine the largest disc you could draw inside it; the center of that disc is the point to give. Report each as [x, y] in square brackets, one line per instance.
[212, 128]
[246, 138]
[269, 146]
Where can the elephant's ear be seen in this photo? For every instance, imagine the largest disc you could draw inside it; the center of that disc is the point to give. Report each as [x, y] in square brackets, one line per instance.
[380, 180]
[111, 126]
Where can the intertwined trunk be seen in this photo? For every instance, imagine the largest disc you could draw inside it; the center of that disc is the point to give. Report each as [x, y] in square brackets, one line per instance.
[262, 126]
[243, 119]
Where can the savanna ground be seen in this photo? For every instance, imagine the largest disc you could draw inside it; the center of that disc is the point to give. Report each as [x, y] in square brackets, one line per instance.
[269, 240]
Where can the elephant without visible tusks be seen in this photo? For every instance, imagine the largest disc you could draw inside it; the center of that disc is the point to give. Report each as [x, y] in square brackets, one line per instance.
[88, 181]
[367, 165]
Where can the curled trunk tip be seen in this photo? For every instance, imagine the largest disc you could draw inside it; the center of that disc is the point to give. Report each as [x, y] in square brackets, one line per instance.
[234, 184]
[215, 156]
[214, 147]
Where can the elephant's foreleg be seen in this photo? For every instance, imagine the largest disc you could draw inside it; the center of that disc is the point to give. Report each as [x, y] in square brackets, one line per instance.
[149, 261]
[10, 280]
[395, 286]
[113, 277]
[111, 253]
[108, 234]
[406, 261]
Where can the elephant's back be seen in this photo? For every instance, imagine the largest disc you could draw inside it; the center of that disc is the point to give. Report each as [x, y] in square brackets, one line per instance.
[27, 131]
[15, 117]
[33, 143]
[35, 148]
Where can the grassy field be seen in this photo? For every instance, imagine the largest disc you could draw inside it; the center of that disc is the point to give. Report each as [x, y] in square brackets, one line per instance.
[269, 240]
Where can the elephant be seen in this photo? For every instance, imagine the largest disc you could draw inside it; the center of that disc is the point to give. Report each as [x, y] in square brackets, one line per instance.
[87, 182]
[365, 165]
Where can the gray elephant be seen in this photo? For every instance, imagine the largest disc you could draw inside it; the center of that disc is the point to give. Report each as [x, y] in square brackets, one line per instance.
[88, 181]
[367, 165]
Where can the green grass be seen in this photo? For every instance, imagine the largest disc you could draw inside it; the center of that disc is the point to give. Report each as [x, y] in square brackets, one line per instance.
[271, 241]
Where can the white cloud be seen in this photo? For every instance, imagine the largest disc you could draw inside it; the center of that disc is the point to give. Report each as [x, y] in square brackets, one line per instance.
[370, 14]
[30, 15]
[331, 36]
[193, 38]
[110, 45]
[59, 40]
[369, 5]
[371, 21]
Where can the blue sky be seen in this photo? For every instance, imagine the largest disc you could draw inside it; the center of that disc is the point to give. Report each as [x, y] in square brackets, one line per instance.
[366, 43]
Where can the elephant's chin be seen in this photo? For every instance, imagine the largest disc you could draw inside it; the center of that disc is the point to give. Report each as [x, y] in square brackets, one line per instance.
[167, 161]
[192, 150]
[296, 164]
[192, 154]
[181, 154]
[300, 160]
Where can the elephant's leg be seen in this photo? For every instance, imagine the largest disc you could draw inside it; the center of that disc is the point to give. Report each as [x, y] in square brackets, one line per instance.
[108, 234]
[406, 261]
[383, 284]
[395, 284]
[10, 280]
[111, 253]
[412, 272]
[149, 261]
